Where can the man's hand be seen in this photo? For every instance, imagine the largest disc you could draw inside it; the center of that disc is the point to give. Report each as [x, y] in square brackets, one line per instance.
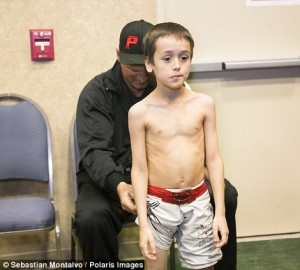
[125, 193]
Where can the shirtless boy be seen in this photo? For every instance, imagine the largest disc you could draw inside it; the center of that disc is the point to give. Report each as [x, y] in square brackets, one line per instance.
[171, 131]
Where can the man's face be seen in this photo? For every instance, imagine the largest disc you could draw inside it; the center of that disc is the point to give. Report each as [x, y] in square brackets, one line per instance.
[136, 77]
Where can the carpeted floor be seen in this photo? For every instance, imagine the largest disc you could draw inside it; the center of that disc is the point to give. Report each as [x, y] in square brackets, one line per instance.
[283, 254]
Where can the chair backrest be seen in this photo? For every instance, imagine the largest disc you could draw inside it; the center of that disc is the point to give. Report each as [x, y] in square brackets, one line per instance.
[25, 143]
[75, 156]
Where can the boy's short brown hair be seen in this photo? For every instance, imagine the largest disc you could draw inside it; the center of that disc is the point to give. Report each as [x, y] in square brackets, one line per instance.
[163, 30]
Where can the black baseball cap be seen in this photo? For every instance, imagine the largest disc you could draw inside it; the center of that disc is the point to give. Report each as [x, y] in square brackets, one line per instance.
[131, 40]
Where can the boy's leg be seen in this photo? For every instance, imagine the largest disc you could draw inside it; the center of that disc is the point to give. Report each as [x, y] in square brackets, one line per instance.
[195, 235]
[161, 261]
[163, 220]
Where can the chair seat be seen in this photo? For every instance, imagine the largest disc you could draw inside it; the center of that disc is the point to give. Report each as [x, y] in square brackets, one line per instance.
[26, 214]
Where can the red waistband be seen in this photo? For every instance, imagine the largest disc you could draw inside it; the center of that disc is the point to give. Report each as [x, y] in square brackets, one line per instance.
[181, 197]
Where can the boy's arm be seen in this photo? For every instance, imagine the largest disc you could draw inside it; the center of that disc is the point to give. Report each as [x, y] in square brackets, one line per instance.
[139, 177]
[214, 165]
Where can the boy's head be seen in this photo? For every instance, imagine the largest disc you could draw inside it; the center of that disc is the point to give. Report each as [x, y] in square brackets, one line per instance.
[164, 30]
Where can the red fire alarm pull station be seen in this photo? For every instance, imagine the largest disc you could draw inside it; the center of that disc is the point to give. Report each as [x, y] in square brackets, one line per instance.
[42, 44]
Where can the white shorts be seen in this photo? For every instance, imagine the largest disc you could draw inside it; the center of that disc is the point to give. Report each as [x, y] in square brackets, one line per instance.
[191, 224]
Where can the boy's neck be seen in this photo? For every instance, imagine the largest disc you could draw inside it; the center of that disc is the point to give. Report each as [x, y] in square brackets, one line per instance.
[171, 96]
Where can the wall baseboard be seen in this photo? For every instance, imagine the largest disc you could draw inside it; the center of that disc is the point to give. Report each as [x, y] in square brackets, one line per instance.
[268, 237]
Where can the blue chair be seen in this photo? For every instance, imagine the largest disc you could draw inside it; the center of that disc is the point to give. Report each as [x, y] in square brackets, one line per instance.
[26, 175]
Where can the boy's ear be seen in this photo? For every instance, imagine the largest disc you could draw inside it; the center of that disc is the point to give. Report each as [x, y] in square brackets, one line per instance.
[148, 65]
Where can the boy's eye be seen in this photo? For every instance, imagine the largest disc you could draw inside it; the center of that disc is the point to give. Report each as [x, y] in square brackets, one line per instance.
[184, 58]
[167, 59]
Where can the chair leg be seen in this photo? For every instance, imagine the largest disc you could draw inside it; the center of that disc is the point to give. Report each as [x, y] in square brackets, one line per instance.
[73, 252]
[57, 236]
[172, 257]
[73, 240]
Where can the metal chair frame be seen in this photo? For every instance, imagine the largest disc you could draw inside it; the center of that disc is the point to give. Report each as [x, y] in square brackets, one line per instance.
[56, 225]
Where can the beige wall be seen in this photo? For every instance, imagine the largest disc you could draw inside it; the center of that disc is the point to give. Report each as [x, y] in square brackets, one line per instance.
[257, 110]
[257, 115]
[85, 35]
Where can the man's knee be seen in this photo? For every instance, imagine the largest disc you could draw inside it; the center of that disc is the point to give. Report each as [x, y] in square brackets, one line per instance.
[231, 195]
[91, 219]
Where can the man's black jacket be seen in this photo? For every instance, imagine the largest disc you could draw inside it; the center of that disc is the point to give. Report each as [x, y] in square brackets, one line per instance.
[102, 128]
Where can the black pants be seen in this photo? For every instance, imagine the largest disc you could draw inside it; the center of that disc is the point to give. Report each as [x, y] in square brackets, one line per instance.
[99, 218]
[229, 259]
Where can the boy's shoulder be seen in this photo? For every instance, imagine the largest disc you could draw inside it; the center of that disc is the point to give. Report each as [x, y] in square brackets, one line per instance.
[201, 97]
[138, 108]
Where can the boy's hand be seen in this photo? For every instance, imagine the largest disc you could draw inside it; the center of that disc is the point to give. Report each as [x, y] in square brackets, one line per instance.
[220, 229]
[147, 244]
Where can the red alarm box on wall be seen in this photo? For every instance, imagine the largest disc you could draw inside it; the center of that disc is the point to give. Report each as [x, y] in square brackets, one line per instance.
[42, 44]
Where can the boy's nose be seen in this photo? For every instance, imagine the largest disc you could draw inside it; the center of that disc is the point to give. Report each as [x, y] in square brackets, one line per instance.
[176, 65]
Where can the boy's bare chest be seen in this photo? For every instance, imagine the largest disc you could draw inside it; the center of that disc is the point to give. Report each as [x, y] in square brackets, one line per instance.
[169, 123]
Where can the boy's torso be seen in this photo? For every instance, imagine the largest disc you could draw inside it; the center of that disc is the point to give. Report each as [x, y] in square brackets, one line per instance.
[175, 142]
